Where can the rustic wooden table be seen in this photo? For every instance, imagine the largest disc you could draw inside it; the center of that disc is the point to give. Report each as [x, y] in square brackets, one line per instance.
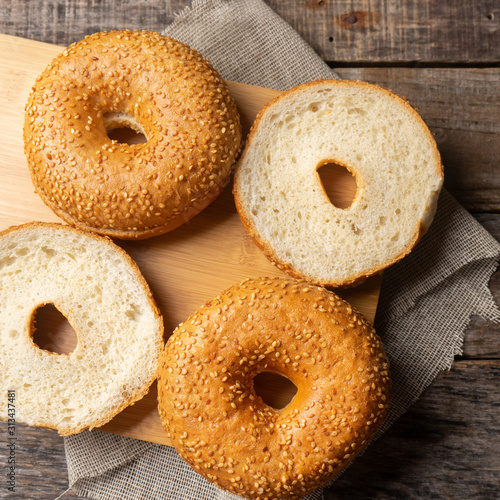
[444, 57]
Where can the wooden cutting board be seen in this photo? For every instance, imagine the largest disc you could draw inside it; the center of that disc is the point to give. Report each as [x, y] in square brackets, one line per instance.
[184, 268]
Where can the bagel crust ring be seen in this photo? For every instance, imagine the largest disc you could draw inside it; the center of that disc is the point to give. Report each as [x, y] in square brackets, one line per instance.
[147, 82]
[225, 431]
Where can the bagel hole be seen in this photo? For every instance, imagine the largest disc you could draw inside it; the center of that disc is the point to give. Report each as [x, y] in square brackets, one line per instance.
[124, 128]
[339, 184]
[274, 389]
[126, 135]
[52, 331]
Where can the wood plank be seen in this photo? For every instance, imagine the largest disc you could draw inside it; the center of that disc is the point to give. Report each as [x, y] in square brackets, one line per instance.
[41, 470]
[342, 30]
[181, 277]
[62, 23]
[446, 445]
[392, 32]
[461, 107]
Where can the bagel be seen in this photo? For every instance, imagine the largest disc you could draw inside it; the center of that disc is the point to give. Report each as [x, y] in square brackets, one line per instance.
[371, 132]
[102, 293]
[215, 419]
[147, 82]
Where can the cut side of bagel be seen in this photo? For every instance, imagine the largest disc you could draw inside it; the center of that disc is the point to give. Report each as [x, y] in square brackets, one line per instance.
[106, 300]
[371, 132]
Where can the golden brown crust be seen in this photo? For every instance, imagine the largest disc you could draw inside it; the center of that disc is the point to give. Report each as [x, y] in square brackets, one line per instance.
[225, 431]
[130, 191]
[355, 279]
[65, 430]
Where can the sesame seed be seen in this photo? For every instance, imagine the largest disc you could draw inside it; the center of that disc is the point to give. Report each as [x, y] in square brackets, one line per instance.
[319, 436]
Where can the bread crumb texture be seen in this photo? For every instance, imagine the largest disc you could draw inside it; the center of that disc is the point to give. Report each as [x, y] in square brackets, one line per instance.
[101, 292]
[147, 82]
[370, 131]
[225, 431]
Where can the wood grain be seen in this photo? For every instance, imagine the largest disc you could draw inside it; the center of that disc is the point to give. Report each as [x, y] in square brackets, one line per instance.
[184, 268]
[341, 31]
[385, 31]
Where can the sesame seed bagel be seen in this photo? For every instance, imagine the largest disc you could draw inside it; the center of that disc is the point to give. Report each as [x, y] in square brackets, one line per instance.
[220, 425]
[143, 81]
[103, 295]
[379, 138]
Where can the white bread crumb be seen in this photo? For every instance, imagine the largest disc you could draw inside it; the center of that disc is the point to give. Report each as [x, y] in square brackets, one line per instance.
[101, 292]
[374, 134]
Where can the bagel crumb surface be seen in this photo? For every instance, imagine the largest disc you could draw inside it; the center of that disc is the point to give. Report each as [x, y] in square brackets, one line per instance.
[224, 430]
[154, 85]
[100, 290]
[284, 206]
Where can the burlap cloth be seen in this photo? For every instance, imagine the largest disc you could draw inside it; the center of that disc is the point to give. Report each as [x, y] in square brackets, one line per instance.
[426, 300]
